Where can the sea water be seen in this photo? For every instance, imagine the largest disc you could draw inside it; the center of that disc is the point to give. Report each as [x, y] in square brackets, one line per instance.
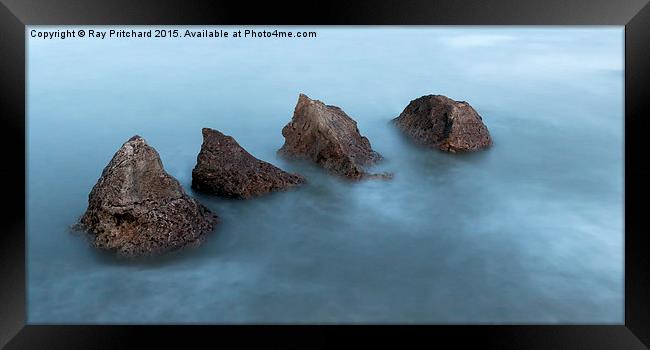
[528, 231]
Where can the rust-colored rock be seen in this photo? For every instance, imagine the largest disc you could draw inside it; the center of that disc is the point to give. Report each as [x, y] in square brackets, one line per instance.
[326, 135]
[226, 169]
[137, 209]
[440, 122]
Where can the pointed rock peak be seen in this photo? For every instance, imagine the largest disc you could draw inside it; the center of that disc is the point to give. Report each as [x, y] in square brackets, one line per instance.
[226, 169]
[216, 136]
[328, 136]
[136, 137]
[136, 208]
[137, 172]
[440, 122]
[307, 102]
[211, 132]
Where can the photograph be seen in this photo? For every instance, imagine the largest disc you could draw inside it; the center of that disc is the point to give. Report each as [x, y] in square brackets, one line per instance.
[324, 174]
[283, 174]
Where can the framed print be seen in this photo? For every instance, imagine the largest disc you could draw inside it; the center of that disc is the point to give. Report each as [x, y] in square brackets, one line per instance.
[299, 173]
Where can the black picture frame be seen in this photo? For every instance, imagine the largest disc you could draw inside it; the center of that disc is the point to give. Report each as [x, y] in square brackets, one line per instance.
[16, 14]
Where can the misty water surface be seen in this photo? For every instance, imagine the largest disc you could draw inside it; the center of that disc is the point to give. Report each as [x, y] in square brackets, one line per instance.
[529, 231]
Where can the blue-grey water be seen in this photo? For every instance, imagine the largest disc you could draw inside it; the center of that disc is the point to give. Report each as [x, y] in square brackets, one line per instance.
[529, 231]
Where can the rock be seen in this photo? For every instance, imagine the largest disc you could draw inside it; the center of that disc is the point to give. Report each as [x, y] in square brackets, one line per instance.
[440, 122]
[326, 135]
[137, 209]
[226, 169]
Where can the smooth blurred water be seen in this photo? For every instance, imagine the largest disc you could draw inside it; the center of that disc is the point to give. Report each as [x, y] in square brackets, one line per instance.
[529, 231]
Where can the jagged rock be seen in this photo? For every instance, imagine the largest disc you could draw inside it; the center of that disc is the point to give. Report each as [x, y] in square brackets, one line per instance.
[137, 209]
[226, 169]
[440, 122]
[329, 137]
